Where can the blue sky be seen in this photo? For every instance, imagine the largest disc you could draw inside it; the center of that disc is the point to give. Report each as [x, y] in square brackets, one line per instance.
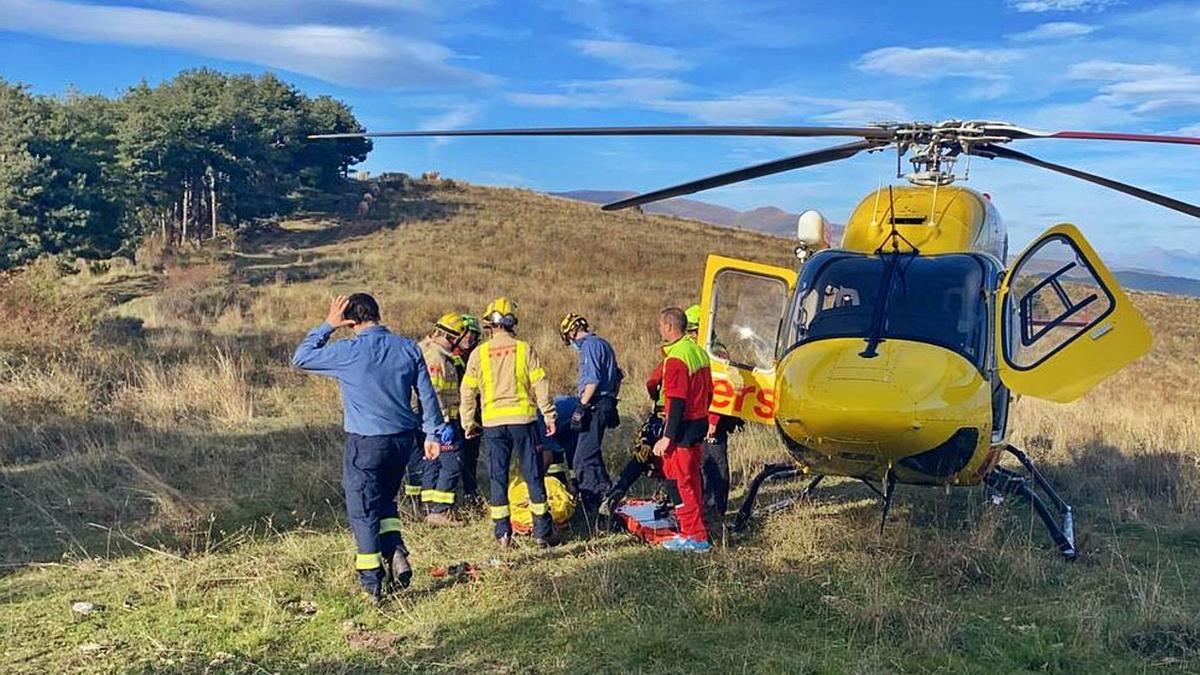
[1047, 64]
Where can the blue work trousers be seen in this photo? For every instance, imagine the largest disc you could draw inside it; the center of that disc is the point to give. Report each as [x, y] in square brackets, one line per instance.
[372, 471]
[501, 443]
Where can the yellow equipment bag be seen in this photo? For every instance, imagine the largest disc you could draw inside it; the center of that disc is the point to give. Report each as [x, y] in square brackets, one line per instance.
[560, 501]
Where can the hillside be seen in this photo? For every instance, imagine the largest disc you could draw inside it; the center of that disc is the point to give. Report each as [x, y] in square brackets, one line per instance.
[159, 458]
[1149, 281]
[768, 219]
[1155, 269]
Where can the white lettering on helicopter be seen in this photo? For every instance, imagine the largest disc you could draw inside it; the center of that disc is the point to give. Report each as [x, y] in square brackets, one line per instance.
[748, 399]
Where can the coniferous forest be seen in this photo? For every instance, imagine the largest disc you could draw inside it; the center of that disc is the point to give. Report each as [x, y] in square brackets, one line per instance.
[92, 176]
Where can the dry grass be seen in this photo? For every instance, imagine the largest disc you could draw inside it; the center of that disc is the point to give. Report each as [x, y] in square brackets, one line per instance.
[187, 478]
[193, 392]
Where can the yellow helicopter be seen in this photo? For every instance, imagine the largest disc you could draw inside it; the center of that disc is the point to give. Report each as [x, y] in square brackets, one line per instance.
[893, 357]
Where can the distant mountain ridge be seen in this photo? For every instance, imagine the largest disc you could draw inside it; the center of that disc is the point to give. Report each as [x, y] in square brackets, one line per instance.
[1158, 260]
[1156, 269]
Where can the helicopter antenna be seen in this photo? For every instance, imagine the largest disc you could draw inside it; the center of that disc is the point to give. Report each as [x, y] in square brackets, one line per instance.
[933, 206]
[875, 208]
[894, 237]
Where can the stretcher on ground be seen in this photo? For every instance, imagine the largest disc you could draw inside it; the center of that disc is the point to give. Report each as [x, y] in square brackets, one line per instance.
[643, 519]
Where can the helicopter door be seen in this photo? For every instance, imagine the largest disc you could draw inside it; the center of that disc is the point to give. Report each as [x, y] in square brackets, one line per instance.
[742, 307]
[1063, 323]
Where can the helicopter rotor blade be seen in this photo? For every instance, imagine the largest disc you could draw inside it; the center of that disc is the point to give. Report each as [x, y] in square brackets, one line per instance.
[992, 151]
[1017, 133]
[876, 132]
[813, 158]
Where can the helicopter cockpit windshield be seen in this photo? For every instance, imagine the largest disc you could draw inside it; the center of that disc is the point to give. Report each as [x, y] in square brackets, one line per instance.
[938, 300]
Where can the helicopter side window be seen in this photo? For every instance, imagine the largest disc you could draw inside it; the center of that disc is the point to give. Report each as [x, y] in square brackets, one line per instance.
[1057, 297]
[746, 312]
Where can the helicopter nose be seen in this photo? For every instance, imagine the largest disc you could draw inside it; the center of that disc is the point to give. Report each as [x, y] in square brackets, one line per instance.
[828, 391]
[907, 399]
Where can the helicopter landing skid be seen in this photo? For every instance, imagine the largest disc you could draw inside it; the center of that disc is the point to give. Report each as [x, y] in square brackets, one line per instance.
[771, 472]
[1002, 481]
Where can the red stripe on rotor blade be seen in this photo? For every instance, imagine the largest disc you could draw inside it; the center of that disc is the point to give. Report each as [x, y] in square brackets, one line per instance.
[1108, 136]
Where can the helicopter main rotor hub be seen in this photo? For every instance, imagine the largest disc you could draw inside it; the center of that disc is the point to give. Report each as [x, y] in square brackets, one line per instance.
[936, 147]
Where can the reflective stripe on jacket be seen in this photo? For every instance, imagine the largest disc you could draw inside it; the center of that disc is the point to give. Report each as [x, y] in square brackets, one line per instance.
[508, 376]
[443, 375]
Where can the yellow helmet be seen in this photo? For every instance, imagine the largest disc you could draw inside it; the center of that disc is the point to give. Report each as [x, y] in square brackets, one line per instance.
[501, 312]
[568, 325]
[451, 324]
[693, 317]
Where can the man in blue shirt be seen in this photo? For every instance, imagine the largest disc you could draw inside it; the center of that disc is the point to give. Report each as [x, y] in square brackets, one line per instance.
[599, 385]
[377, 372]
[560, 446]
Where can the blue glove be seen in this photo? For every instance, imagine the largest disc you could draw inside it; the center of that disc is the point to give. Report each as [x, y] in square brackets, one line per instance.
[445, 435]
[653, 430]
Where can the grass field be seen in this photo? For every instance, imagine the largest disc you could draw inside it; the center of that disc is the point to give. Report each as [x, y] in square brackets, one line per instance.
[159, 459]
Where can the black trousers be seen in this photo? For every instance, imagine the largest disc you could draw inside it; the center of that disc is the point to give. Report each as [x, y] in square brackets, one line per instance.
[591, 476]
[502, 443]
[714, 471]
[372, 472]
[469, 458]
[634, 469]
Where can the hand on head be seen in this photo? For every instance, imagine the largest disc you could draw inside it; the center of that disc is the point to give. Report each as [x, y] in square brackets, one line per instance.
[337, 311]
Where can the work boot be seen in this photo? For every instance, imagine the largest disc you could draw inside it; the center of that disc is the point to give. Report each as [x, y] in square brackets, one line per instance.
[400, 571]
[442, 519]
[547, 541]
[373, 594]
[504, 542]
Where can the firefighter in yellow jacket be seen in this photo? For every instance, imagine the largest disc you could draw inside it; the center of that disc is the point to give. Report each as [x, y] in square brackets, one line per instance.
[440, 476]
[509, 380]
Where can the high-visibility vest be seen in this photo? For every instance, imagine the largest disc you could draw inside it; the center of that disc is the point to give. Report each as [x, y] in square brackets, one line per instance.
[507, 373]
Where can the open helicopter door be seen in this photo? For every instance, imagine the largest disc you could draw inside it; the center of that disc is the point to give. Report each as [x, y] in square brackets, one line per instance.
[742, 307]
[1063, 324]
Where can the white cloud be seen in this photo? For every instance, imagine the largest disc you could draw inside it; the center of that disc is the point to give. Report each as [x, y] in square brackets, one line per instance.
[293, 6]
[343, 55]
[1116, 70]
[456, 116]
[614, 93]
[1060, 5]
[762, 24]
[936, 62]
[850, 111]
[632, 55]
[740, 109]
[1145, 89]
[1055, 30]
[669, 95]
